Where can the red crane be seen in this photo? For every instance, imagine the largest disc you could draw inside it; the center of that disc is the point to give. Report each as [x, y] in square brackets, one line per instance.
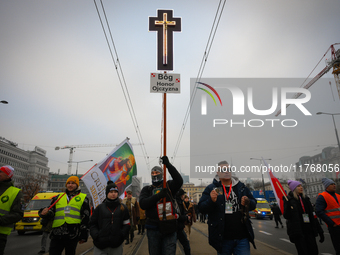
[333, 62]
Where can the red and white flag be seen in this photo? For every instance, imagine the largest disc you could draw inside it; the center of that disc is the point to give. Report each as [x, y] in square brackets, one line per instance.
[278, 190]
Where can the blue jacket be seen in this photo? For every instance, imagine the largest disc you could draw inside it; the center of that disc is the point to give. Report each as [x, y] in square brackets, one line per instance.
[215, 211]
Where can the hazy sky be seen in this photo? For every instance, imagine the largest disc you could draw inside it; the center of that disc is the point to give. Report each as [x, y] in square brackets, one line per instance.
[57, 74]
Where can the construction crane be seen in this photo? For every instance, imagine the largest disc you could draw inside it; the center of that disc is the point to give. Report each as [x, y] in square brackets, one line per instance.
[72, 147]
[333, 62]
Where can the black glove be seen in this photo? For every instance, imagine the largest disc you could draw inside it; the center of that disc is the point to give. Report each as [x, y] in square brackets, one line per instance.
[322, 238]
[165, 160]
[162, 193]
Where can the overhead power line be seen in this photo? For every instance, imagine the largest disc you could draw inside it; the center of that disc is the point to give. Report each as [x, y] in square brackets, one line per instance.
[210, 41]
[121, 78]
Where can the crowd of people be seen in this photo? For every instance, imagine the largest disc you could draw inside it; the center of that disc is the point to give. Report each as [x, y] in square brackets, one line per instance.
[165, 213]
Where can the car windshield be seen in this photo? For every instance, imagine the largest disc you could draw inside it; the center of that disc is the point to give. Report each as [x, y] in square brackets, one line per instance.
[262, 205]
[38, 204]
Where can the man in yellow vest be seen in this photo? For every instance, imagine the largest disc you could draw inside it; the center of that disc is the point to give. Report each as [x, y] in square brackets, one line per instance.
[327, 207]
[10, 205]
[70, 216]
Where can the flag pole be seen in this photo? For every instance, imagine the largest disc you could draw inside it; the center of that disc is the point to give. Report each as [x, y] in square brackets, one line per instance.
[282, 191]
[164, 152]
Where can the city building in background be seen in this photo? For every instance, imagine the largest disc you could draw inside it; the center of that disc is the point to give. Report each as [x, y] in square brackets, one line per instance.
[135, 186]
[192, 191]
[311, 169]
[185, 178]
[56, 183]
[30, 167]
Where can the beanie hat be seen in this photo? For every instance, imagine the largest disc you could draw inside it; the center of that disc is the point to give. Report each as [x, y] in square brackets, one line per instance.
[74, 179]
[326, 182]
[158, 169]
[7, 170]
[293, 184]
[111, 186]
[181, 192]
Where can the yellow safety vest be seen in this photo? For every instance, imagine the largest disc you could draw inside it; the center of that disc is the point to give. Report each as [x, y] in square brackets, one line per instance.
[68, 212]
[6, 201]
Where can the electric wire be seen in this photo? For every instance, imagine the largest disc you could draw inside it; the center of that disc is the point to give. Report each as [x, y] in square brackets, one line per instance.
[122, 80]
[210, 41]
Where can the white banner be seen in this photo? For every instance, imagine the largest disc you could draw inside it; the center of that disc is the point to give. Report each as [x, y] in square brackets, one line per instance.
[118, 166]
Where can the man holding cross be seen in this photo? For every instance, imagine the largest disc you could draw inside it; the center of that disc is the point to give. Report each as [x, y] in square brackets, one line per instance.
[150, 200]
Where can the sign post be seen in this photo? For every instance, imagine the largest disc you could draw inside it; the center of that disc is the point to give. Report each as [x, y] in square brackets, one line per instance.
[165, 24]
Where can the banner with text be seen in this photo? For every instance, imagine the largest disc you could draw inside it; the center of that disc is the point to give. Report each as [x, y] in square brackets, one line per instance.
[118, 166]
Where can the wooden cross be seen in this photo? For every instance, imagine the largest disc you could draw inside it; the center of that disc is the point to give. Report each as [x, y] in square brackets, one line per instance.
[162, 25]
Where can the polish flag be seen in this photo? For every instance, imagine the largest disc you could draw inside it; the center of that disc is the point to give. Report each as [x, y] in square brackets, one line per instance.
[278, 190]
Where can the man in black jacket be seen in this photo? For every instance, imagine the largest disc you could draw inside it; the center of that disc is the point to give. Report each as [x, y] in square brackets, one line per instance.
[110, 223]
[277, 212]
[181, 235]
[226, 201]
[150, 200]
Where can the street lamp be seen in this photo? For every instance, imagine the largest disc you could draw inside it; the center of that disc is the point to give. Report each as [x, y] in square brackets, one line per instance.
[264, 190]
[336, 131]
[78, 163]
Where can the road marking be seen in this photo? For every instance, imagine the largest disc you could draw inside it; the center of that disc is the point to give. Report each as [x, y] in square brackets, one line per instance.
[326, 254]
[269, 234]
[286, 240]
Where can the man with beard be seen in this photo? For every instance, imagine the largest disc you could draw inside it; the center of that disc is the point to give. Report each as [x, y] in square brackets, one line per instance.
[70, 219]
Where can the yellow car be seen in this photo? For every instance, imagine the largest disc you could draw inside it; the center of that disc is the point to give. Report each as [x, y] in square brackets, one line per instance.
[262, 210]
[31, 219]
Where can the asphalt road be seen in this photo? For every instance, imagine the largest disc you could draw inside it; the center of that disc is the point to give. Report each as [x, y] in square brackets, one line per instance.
[28, 244]
[266, 232]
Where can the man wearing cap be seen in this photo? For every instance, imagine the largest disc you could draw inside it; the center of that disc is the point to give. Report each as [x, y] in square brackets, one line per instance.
[150, 200]
[110, 223]
[133, 207]
[327, 207]
[10, 205]
[70, 215]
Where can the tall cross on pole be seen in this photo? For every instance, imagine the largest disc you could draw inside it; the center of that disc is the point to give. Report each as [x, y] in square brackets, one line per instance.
[165, 24]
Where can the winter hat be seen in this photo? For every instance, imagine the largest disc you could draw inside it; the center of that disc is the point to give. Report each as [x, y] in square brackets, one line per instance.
[158, 169]
[111, 186]
[293, 184]
[181, 192]
[326, 182]
[7, 170]
[129, 192]
[74, 179]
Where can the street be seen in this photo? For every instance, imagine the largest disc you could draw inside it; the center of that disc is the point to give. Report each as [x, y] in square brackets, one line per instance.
[265, 235]
[28, 244]
[266, 232]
